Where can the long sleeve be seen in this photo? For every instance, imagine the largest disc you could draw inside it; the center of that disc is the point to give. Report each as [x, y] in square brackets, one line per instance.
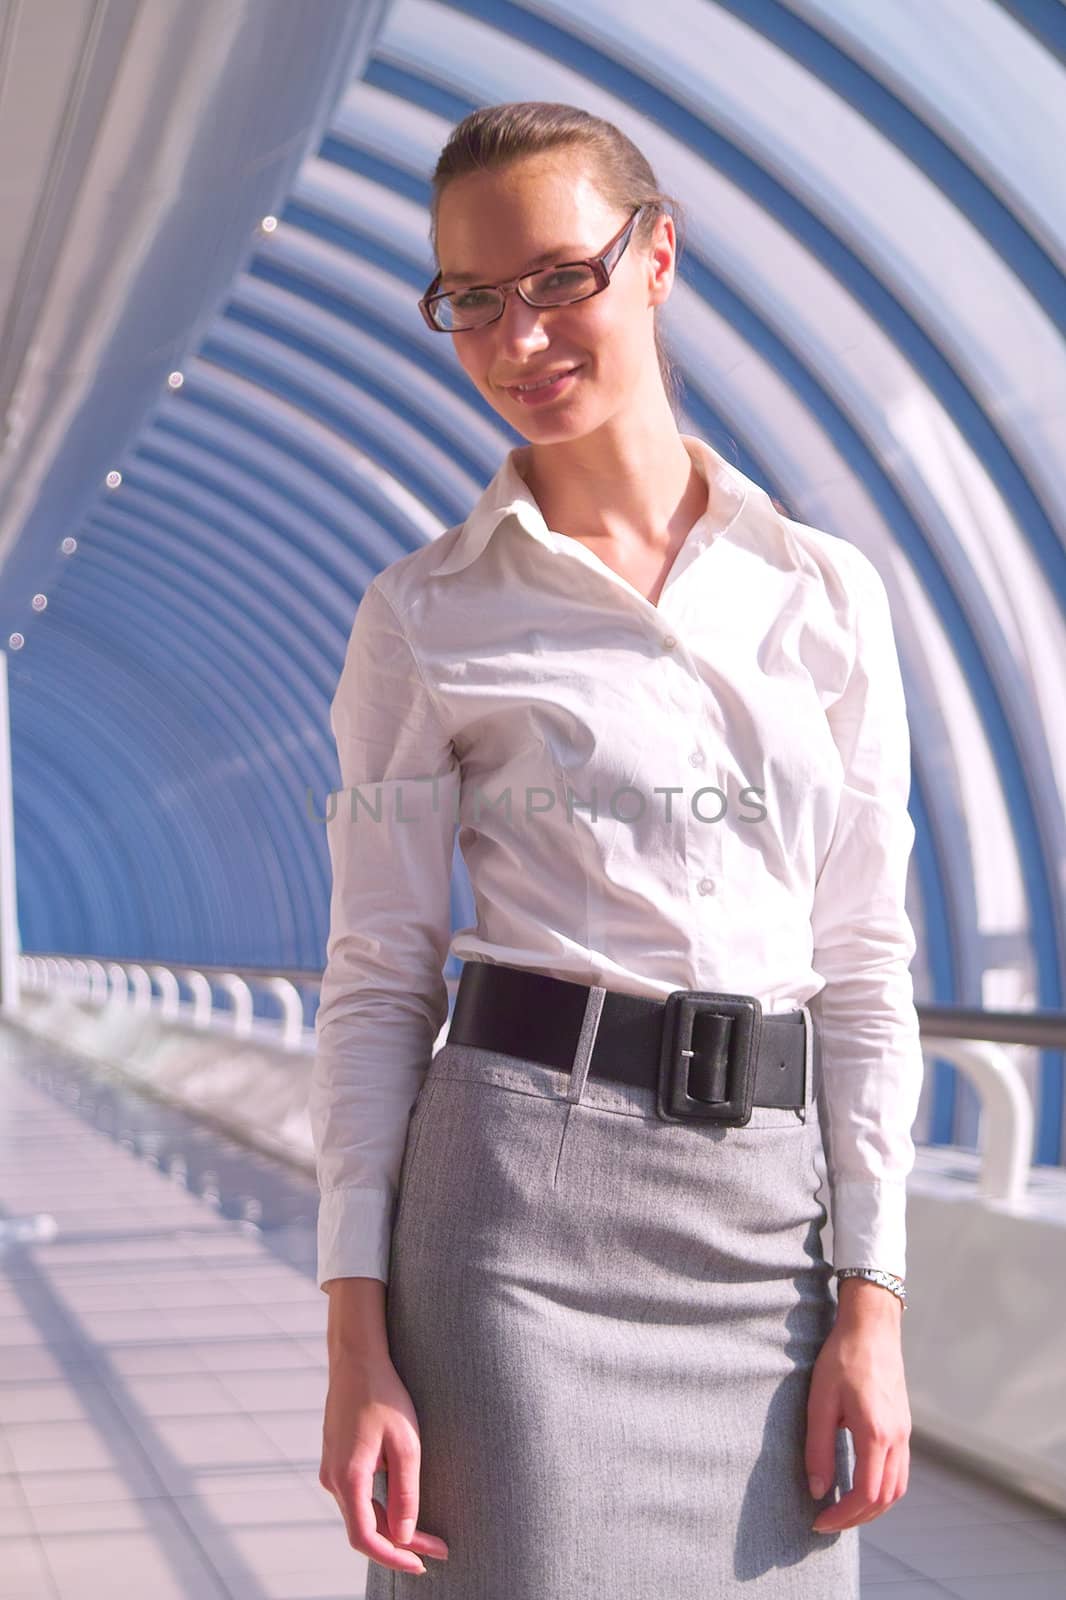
[383, 997]
[871, 1058]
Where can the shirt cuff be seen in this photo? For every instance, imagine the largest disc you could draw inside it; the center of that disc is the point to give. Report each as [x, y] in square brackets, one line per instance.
[354, 1234]
[870, 1225]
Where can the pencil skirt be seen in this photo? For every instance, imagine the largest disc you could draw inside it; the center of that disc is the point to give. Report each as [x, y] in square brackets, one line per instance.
[607, 1324]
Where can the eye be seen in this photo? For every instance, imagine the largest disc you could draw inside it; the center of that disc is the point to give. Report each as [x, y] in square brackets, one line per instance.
[471, 299]
[563, 278]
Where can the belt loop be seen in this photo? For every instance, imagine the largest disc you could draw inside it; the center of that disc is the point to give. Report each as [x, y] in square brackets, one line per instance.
[808, 1061]
[586, 1042]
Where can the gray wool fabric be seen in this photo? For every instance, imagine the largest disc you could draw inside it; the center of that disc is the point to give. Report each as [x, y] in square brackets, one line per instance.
[607, 1325]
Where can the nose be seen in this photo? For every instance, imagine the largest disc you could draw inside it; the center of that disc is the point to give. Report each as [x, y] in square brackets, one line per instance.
[520, 326]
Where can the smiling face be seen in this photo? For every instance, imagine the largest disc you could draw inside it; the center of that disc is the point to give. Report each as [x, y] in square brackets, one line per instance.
[491, 226]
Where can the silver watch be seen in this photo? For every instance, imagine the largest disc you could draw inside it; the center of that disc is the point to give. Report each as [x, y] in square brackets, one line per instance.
[887, 1280]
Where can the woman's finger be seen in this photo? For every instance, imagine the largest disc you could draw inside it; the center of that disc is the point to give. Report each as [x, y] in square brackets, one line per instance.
[367, 1524]
[854, 1507]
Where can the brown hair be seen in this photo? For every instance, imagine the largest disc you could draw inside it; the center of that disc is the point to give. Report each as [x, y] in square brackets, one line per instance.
[493, 136]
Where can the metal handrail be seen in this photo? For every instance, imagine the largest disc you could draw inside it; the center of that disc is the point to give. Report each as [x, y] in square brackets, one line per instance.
[1045, 1029]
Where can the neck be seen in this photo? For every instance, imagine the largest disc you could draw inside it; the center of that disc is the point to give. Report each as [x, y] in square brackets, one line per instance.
[631, 484]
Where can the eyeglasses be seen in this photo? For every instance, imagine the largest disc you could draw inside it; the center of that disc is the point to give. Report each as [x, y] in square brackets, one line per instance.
[460, 310]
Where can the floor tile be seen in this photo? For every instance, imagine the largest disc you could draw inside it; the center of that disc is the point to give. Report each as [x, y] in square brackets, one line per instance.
[181, 1445]
[158, 1559]
[1028, 1586]
[270, 1354]
[89, 1488]
[288, 1389]
[178, 1356]
[880, 1567]
[71, 1446]
[917, 1589]
[297, 1434]
[15, 1523]
[986, 1549]
[181, 1394]
[29, 1363]
[50, 1401]
[24, 1572]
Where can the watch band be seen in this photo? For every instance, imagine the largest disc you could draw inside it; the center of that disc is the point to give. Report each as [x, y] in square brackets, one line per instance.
[887, 1280]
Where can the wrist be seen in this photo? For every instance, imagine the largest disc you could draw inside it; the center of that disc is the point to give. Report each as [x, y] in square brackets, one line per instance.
[356, 1327]
[864, 1300]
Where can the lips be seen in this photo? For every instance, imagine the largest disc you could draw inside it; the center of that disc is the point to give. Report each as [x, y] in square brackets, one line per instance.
[543, 381]
[546, 389]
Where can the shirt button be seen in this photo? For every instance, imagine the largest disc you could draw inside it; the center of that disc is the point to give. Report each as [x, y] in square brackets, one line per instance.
[695, 759]
[706, 886]
[669, 642]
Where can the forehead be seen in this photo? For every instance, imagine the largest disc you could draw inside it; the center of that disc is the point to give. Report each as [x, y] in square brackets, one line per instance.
[492, 226]
[546, 258]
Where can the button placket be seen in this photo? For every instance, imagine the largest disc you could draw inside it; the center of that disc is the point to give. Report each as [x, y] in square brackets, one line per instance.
[705, 838]
[703, 848]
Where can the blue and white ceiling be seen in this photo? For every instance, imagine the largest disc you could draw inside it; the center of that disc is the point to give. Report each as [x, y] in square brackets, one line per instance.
[869, 319]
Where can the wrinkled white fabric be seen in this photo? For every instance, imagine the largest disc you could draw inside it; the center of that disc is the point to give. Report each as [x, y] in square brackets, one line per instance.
[707, 793]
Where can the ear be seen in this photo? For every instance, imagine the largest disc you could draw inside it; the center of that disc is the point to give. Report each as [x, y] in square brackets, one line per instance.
[662, 257]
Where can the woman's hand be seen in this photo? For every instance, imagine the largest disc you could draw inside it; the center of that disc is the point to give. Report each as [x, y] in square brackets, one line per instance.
[370, 1423]
[858, 1383]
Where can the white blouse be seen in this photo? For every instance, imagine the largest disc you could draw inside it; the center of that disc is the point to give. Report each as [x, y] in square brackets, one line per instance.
[707, 793]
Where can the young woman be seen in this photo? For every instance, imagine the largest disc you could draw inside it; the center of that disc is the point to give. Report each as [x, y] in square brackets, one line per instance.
[669, 725]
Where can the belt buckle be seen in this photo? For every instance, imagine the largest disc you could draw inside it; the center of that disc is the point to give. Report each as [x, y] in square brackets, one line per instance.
[742, 1016]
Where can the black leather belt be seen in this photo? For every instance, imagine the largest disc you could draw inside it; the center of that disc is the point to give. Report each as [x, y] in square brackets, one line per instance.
[709, 1056]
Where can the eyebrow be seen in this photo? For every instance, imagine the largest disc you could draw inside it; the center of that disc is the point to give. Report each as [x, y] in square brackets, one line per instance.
[557, 253]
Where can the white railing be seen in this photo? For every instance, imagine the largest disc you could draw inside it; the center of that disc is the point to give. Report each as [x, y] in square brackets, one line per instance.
[971, 1040]
[141, 989]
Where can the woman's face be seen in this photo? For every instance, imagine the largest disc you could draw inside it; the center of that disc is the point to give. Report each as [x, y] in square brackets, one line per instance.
[493, 226]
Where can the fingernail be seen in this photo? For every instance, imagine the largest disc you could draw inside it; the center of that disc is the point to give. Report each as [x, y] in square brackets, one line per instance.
[817, 1487]
[404, 1532]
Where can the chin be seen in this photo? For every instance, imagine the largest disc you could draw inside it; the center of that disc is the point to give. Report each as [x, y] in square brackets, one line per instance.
[567, 424]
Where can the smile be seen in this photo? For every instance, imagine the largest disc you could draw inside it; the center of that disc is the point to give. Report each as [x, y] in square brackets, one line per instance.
[544, 388]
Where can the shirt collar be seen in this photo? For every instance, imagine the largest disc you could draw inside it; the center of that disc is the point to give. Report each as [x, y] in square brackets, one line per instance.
[508, 497]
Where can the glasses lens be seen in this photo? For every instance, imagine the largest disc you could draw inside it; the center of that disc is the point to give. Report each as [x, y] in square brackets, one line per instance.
[466, 308]
[558, 286]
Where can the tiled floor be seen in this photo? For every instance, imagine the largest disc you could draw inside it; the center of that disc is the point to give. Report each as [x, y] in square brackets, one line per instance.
[162, 1375]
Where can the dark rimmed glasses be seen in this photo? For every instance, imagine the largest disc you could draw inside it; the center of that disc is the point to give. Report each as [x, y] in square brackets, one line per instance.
[460, 310]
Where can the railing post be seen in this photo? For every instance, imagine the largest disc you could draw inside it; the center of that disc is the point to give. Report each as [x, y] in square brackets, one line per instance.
[9, 929]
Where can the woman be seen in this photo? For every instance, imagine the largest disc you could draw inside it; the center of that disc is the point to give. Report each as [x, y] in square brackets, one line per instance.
[669, 724]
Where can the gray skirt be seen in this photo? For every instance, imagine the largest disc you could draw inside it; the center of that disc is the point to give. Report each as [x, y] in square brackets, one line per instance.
[607, 1324]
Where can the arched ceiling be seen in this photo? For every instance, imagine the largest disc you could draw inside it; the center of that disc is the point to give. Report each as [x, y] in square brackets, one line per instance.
[868, 318]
